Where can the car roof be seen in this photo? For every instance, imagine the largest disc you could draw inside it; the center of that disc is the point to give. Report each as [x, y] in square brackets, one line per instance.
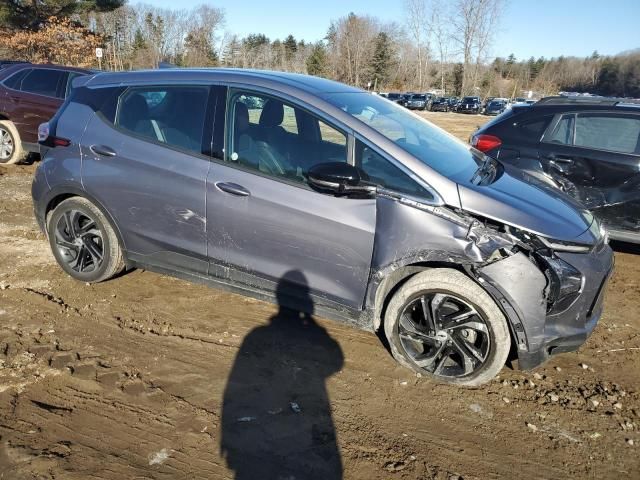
[10, 69]
[574, 103]
[307, 83]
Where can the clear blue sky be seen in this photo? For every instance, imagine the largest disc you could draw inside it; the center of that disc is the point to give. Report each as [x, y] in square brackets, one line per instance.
[529, 27]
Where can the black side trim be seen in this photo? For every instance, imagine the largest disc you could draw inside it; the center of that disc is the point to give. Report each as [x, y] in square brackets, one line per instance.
[259, 289]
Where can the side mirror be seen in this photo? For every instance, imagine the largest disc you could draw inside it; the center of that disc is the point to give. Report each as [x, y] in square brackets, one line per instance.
[339, 178]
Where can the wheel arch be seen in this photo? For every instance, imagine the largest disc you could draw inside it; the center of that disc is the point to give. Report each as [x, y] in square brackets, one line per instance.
[60, 194]
[394, 279]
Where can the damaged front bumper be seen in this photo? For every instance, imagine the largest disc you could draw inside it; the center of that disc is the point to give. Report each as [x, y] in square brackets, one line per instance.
[521, 288]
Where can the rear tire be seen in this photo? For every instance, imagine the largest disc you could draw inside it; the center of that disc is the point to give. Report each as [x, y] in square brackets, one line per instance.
[463, 337]
[11, 150]
[83, 242]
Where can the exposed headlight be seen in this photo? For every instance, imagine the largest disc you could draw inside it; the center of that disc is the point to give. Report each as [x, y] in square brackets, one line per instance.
[537, 242]
[565, 284]
[562, 246]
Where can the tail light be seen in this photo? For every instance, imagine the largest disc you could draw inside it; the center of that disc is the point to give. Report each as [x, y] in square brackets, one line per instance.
[46, 138]
[484, 142]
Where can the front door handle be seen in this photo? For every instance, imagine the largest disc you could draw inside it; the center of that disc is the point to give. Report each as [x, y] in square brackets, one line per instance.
[233, 189]
[103, 150]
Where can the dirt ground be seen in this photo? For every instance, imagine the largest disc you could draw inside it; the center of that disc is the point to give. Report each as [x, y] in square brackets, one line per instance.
[127, 380]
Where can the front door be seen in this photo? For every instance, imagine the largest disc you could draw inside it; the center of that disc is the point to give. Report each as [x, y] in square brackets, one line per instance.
[595, 157]
[264, 220]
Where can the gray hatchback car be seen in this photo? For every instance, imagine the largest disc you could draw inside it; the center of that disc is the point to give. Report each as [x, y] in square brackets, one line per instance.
[236, 177]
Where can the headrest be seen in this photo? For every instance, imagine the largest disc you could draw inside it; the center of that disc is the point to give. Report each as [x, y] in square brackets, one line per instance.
[133, 110]
[272, 113]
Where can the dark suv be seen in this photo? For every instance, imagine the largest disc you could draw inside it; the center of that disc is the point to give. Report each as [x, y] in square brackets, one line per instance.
[290, 187]
[469, 105]
[587, 147]
[29, 95]
[440, 104]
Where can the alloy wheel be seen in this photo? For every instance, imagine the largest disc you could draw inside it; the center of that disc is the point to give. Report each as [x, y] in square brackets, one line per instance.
[79, 241]
[6, 145]
[444, 334]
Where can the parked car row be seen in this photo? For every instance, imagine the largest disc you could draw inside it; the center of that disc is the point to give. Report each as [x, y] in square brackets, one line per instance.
[327, 199]
[469, 104]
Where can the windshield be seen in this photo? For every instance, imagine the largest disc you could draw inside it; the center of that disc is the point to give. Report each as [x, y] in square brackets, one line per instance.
[418, 97]
[469, 99]
[426, 142]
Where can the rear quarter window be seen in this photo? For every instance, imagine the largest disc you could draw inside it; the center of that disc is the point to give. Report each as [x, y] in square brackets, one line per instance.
[15, 80]
[532, 129]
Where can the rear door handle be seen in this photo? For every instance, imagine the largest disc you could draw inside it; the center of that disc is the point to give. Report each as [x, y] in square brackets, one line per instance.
[560, 158]
[233, 189]
[103, 150]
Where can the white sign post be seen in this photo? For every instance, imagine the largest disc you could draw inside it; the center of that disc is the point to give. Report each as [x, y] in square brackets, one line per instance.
[99, 56]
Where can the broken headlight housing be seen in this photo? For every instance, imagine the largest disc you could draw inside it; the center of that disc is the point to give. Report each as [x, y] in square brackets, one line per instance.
[562, 246]
[564, 283]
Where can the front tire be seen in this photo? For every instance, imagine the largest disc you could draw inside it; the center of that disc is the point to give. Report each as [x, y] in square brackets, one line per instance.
[11, 150]
[443, 325]
[83, 242]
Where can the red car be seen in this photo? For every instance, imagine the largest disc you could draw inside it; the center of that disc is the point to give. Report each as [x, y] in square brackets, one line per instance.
[30, 95]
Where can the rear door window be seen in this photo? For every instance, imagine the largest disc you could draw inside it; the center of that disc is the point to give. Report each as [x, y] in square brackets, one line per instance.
[173, 115]
[43, 82]
[615, 133]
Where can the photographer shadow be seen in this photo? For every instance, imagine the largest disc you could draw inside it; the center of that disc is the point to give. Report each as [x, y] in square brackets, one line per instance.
[276, 415]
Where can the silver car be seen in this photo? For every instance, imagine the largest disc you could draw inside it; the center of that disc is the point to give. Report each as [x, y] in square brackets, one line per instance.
[236, 177]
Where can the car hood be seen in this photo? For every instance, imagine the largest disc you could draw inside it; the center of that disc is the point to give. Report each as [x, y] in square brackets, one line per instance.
[524, 202]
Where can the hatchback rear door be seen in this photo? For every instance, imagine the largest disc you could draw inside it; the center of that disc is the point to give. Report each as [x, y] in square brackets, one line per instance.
[595, 156]
[142, 157]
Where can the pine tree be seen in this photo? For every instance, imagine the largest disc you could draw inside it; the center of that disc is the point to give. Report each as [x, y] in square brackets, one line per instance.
[381, 61]
[317, 62]
[458, 73]
[290, 47]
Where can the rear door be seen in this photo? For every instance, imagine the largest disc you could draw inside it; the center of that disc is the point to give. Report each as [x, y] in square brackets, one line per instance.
[143, 159]
[264, 220]
[595, 157]
[35, 100]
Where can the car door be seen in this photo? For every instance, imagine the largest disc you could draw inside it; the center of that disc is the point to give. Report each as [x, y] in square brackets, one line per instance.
[35, 100]
[595, 157]
[264, 220]
[142, 158]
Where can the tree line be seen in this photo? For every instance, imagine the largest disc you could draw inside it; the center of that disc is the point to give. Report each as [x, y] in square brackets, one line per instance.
[439, 45]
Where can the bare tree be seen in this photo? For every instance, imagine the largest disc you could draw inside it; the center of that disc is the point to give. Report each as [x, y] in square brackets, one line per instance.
[473, 23]
[418, 26]
[441, 35]
[351, 40]
[204, 23]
